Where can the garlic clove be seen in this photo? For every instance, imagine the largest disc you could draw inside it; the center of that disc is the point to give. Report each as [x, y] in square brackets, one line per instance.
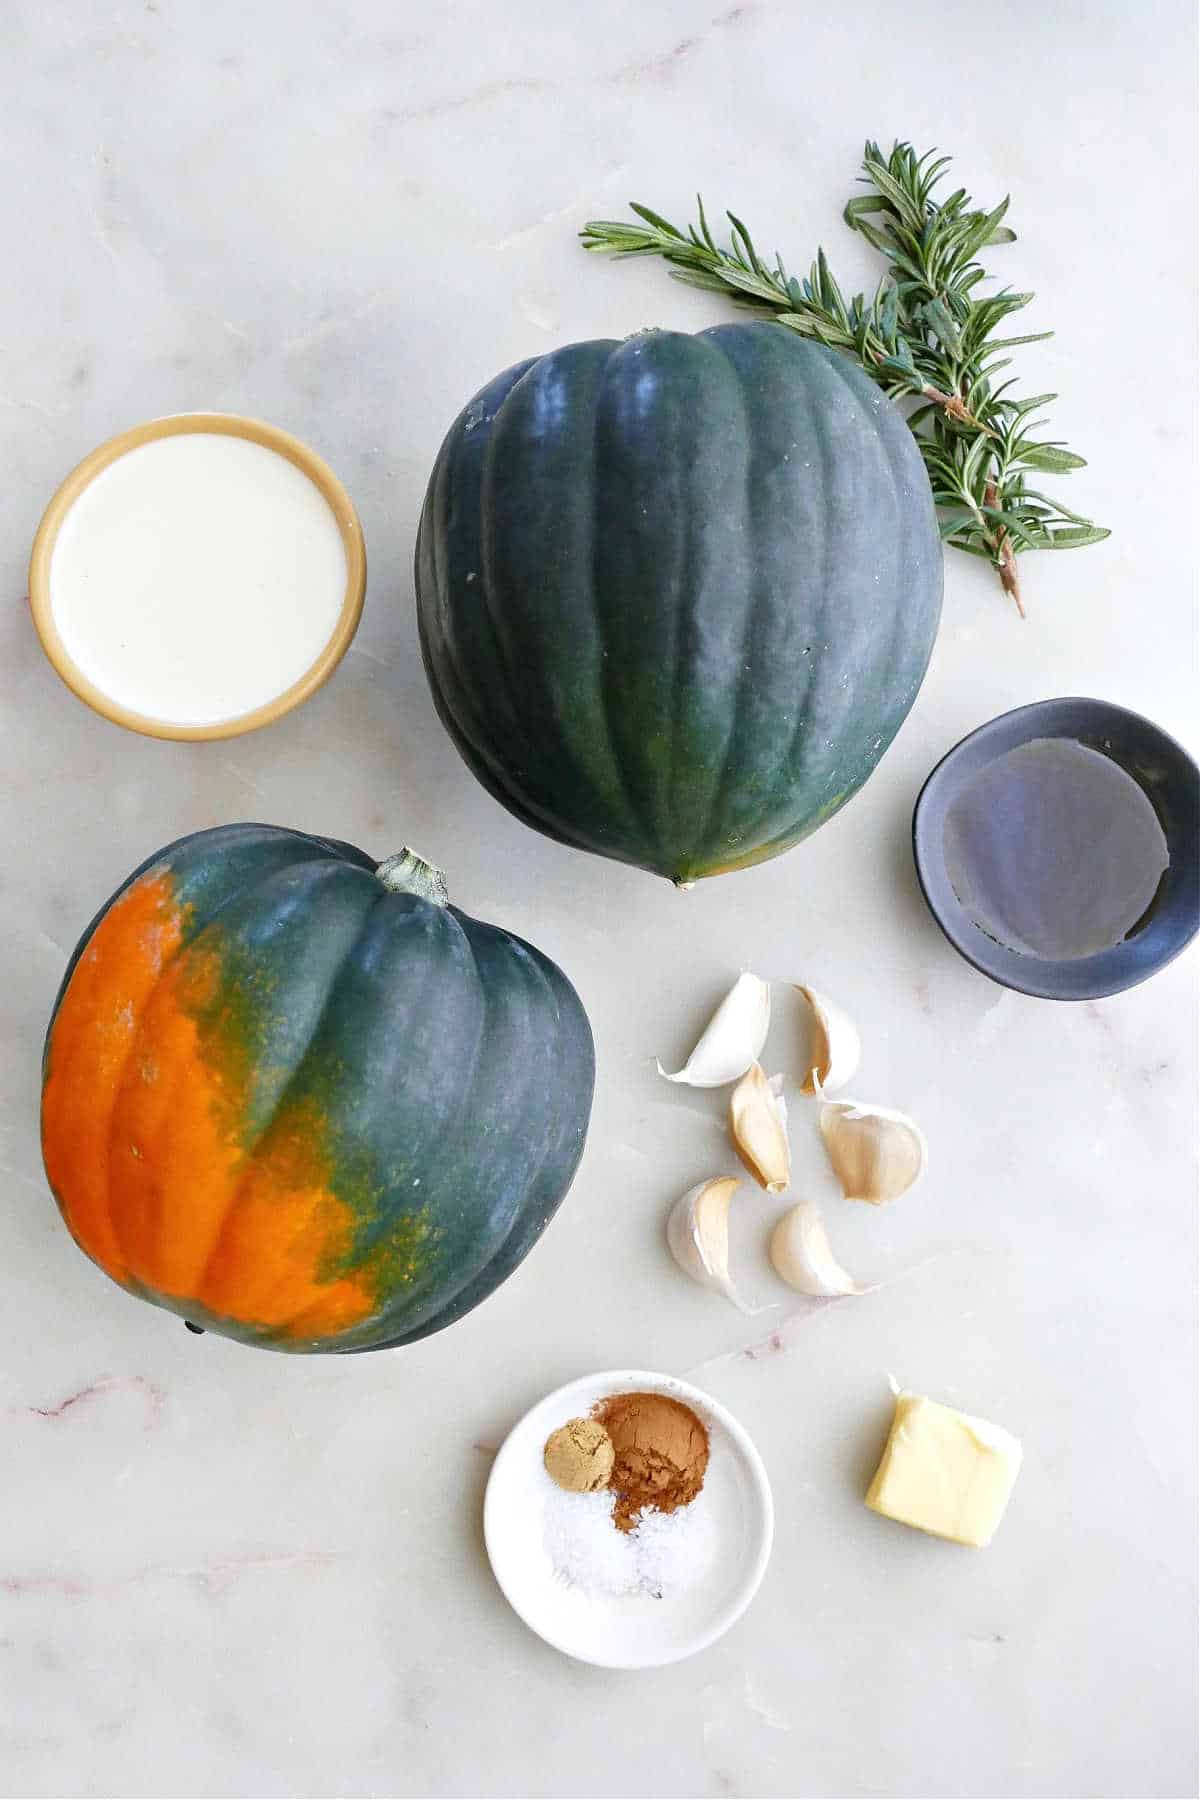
[732, 1039]
[698, 1235]
[801, 1256]
[876, 1152]
[834, 1048]
[758, 1126]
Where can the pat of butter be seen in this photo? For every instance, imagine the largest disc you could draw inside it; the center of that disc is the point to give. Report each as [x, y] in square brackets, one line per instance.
[945, 1472]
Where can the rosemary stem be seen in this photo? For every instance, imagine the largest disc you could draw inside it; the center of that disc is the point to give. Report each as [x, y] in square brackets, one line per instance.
[1006, 562]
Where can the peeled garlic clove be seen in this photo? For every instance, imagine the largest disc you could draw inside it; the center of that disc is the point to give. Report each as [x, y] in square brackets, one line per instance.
[758, 1126]
[698, 1235]
[732, 1039]
[801, 1256]
[877, 1153]
[835, 1048]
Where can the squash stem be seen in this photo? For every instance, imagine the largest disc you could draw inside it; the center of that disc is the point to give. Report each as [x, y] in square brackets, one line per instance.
[409, 873]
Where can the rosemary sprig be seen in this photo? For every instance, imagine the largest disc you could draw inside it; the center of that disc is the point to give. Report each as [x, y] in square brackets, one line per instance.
[926, 335]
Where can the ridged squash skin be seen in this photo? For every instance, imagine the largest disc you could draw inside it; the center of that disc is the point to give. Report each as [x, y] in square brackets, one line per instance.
[302, 1109]
[677, 594]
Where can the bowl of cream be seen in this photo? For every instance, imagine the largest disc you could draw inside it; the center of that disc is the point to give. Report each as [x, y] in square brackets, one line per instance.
[1058, 847]
[198, 576]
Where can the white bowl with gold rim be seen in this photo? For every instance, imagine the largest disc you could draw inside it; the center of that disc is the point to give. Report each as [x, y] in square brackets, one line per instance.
[198, 576]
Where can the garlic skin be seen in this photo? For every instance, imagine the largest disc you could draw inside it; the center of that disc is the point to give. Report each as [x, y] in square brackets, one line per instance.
[835, 1049]
[698, 1235]
[731, 1040]
[877, 1153]
[801, 1256]
[758, 1127]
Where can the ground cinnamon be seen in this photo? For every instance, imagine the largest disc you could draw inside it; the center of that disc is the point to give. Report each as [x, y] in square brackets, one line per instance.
[660, 1454]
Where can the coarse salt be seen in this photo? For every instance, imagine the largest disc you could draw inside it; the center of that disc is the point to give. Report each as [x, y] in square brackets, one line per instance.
[664, 1553]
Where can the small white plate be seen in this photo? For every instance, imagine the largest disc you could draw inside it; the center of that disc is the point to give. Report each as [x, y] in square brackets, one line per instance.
[627, 1631]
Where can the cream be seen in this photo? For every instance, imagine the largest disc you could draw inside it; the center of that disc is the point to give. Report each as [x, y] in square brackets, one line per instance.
[197, 578]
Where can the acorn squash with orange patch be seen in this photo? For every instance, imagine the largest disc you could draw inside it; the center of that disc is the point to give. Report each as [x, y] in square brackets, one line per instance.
[300, 1100]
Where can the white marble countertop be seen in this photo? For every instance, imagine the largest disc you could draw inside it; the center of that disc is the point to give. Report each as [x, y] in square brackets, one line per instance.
[228, 1573]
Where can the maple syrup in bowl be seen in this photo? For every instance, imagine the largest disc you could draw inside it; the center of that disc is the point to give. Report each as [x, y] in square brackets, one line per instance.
[1058, 848]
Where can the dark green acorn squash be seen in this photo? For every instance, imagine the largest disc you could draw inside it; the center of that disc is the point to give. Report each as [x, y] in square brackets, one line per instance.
[676, 595]
[300, 1100]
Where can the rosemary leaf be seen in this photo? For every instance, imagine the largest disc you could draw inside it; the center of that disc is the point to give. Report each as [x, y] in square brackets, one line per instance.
[655, 219]
[1075, 536]
[1051, 458]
